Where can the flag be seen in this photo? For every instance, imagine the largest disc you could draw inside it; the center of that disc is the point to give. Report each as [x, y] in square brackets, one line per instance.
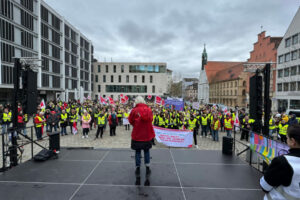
[163, 102]
[158, 100]
[237, 121]
[121, 95]
[74, 128]
[42, 104]
[103, 100]
[123, 101]
[111, 101]
[126, 97]
[149, 97]
[89, 97]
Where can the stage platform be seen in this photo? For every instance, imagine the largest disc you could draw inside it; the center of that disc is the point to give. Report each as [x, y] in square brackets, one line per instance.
[81, 174]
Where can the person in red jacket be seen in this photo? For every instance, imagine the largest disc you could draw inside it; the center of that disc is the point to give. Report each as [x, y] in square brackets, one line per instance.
[142, 134]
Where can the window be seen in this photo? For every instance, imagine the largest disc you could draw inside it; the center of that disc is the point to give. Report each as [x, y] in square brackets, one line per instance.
[55, 22]
[286, 72]
[244, 83]
[127, 79]
[26, 20]
[45, 47]
[7, 9]
[115, 68]
[99, 88]
[106, 68]
[293, 86]
[287, 42]
[287, 57]
[294, 55]
[104, 78]
[293, 70]
[55, 37]
[298, 69]
[7, 52]
[67, 72]
[99, 68]
[279, 87]
[120, 78]
[112, 78]
[74, 72]
[143, 79]
[286, 87]
[295, 39]
[55, 67]
[151, 78]
[7, 30]
[294, 104]
[126, 88]
[135, 78]
[96, 78]
[45, 80]
[153, 88]
[235, 83]
[56, 81]
[7, 74]
[45, 64]
[122, 68]
[231, 84]
[44, 14]
[298, 86]
[55, 52]
[281, 59]
[280, 73]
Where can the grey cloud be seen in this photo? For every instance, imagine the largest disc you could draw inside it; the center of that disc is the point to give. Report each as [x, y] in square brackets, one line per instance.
[174, 31]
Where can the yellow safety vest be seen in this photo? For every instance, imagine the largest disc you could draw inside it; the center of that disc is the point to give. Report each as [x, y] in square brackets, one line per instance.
[160, 121]
[73, 117]
[204, 121]
[283, 129]
[166, 123]
[271, 124]
[39, 124]
[63, 117]
[68, 110]
[216, 125]
[126, 115]
[6, 117]
[192, 124]
[101, 120]
[86, 118]
[228, 124]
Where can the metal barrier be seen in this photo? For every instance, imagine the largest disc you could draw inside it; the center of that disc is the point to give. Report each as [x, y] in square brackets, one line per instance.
[9, 150]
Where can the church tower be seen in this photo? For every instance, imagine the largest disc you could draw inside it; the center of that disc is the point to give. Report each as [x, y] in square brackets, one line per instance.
[204, 58]
[203, 86]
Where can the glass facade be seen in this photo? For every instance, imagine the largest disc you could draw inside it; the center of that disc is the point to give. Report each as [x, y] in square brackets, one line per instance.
[147, 68]
[126, 88]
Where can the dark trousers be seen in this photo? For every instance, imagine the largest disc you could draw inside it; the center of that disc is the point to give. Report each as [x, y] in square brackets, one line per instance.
[195, 136]
[99, 130]
[112, 130]
[283, 138]
[127, 127]
[120, 121]
[38, 132]
[204, 130]
[245, 135]
[85, 131]
[53, 127]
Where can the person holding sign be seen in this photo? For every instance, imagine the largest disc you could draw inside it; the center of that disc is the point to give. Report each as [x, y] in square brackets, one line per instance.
[142, 134]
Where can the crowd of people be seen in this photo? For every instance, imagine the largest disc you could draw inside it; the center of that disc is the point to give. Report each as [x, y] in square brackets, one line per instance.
[207, 121]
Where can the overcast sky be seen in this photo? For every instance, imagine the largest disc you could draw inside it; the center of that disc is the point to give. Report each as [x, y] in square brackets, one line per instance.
[174, 31]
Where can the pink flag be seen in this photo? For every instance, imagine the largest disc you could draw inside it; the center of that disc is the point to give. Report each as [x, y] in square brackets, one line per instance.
[163, 102]
[123, 101]
[103, 100]
[126, 98]
[74, 128]
[42, 104]
[121, 95]
[111, 101]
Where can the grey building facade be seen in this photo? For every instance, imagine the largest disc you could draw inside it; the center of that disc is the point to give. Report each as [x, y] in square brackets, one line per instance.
[31, 28]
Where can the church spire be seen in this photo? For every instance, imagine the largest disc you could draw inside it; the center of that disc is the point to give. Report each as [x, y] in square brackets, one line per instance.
[204, 58]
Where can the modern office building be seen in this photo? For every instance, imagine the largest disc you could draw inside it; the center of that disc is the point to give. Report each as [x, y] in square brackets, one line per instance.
[131, 79]
[31, 28]
[288, 68]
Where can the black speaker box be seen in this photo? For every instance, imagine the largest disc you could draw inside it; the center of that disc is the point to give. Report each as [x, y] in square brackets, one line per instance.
[227, 145]
[54, 141]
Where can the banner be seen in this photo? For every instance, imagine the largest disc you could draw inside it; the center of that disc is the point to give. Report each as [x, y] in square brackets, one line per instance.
[125, 121]
[266, 147]
[196, 105]
[175, 103]
[174, 138]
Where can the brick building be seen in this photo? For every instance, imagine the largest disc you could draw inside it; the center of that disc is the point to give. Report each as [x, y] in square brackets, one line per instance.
[265, 50]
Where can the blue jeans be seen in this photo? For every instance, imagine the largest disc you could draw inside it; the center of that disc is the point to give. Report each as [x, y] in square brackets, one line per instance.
[228, 133]
[215, 135]
[63, 130]
[138, 157]
[4, 128]
[38, 132]
[271, 131]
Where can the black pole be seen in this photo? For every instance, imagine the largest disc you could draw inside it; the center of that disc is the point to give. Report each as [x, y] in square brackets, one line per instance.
[16, 79]
[267, 101]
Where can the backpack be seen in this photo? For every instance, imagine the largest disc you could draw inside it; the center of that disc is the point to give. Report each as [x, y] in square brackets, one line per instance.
[44, 155]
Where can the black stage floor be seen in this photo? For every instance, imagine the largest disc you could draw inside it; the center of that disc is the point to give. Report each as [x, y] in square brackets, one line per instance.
[109, 174]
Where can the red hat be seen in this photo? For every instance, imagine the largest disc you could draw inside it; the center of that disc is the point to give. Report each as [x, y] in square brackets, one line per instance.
[52, 112]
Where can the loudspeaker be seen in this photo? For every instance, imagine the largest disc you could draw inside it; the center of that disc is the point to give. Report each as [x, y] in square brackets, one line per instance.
[54, 141]
[31, 92]
[227, 145]
[256, 102]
